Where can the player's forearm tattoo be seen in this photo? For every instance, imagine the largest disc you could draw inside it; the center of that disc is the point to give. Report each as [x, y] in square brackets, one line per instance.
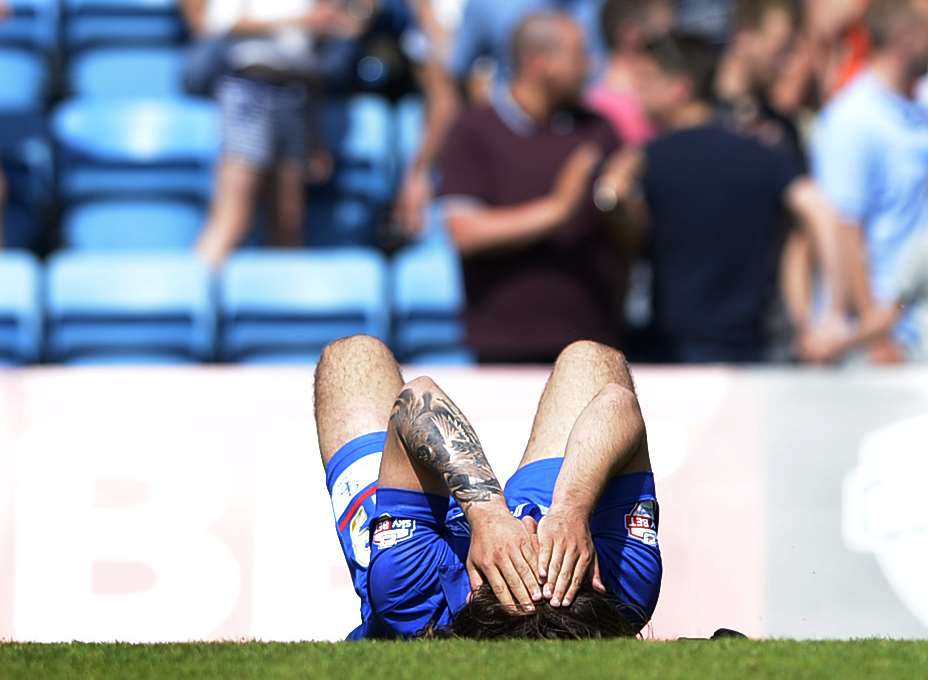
[437, 435]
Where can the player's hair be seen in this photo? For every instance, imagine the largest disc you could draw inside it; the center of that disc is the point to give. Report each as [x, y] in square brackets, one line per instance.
[592, 615]
[617, 13]
[690, 55]
[885, 17]
[750, 14]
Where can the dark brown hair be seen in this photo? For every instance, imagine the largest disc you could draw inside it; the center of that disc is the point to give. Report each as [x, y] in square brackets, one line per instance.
[750, 14]
[884, 17]
[615, 14]
[592, 615]
[690, 55]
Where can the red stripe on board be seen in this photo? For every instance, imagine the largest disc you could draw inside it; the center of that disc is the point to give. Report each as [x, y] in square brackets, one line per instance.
[353, 508]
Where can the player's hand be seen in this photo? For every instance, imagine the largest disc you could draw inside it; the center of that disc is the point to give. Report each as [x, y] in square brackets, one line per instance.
[503, 553]
[573, 181]
[565, 554]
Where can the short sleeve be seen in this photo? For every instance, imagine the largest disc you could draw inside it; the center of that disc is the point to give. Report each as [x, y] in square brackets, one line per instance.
[463, 164]
[470, 42]
[843, 164]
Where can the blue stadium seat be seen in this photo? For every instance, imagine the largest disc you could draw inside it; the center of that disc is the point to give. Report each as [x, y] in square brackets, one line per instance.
[127, 72]
[284, 307]
[23, 76]
[133, 225]
[147, 308]
[20, 308]
[410, 124]
[31, 24]
[428, 298]
[93, 23]
[143, 147]
[361, 133]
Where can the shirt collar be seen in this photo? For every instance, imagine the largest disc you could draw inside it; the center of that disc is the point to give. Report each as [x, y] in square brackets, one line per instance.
[522, 124]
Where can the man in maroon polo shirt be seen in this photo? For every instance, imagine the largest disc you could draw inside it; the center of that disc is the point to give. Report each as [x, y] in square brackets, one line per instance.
[541, 264]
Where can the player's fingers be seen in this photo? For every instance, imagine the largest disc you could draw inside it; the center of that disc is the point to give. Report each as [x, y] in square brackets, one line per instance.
[597, 576]
[516, 585]
[530, 524]
[500, 589]
[554, 570]
[564, 576]
[576, 581]
[476, 578]
[525, 563]
[545, 548]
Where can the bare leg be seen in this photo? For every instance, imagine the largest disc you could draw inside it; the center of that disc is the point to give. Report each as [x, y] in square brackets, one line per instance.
[289, 199]
[231, 211]
[357, 381]
[582, 371]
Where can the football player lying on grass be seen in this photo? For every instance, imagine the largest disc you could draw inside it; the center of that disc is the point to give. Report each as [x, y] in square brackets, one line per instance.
[437, 547]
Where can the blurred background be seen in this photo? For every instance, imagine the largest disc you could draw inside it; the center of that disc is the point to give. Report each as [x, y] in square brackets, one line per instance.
[189, 181]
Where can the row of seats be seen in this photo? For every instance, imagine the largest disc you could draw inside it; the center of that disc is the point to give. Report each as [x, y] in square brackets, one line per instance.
[263, 307]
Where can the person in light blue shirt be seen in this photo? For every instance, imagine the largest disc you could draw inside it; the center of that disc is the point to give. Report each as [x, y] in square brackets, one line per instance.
[870, 155]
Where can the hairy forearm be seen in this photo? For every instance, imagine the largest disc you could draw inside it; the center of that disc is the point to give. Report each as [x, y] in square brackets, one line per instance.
[606, 437]
[437, 437]
[480, 230]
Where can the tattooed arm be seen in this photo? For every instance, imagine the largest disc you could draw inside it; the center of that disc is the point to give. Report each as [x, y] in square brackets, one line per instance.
[438, 439]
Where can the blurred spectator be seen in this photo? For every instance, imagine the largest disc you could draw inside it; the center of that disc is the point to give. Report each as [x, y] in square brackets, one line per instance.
[709, 18]
[265, 107]
[2, 199]
[540, 267]
[715, 200]
[869, 154]
[484, 32]
[762, 35]
[627, 27]
[909, 297]
[832, 48]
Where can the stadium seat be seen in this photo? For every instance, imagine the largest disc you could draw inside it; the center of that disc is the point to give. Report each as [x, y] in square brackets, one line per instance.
[133, 225]
[95, 23]
[30, 24]
[146, 308]
[284, 307]
[428, 298]
[361, 134]
[143, 147]
[410, 124]
[23, 76]
[20, 308]
[127, 72]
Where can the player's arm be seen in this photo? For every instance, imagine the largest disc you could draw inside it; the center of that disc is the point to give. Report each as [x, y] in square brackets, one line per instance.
[438, 439]
[606, 438]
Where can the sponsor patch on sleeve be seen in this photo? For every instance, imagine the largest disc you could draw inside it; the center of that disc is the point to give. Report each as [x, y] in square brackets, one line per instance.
[389, 531]
[641, 522]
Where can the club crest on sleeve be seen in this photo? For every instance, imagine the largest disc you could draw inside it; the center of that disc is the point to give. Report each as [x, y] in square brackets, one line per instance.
[641, 522]
[389, 531]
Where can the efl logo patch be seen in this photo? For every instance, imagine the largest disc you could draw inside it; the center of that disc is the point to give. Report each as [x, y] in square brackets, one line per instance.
[641, 522]
[388, 531]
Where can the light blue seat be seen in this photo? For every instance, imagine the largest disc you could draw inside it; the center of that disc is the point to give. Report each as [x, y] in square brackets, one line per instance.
[428, 299]
[284, 307]
[361, 131]
[31, 24]
[120, 225]
[140, 308]
[410, 125]
[23, 76]
[136, 147]
[92, 23]
[127, 72]
[20, 308]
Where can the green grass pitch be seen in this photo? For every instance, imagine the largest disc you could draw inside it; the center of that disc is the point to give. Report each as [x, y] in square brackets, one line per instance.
[463, 660]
